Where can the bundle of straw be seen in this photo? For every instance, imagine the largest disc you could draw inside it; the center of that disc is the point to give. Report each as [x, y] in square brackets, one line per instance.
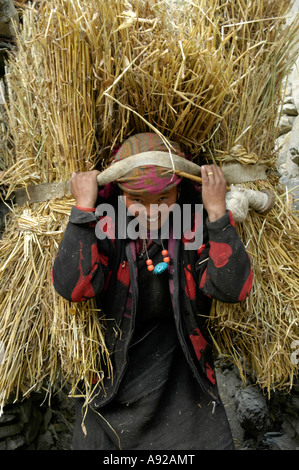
[260, 334]
[86, 75]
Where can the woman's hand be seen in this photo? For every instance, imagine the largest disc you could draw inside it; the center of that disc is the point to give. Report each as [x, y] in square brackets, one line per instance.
[213, 191]
[84, 188]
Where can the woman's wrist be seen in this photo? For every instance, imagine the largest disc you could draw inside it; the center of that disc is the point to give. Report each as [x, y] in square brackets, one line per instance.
[85, 203]
[85, 209]
[215, 214]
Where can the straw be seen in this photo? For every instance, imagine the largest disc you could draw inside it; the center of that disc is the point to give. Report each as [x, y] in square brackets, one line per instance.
[258, 335]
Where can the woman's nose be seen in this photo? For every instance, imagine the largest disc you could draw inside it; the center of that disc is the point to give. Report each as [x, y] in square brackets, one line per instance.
[151, 211]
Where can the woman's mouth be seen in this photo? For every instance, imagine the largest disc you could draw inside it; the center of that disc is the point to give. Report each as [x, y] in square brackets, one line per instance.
[152, 220]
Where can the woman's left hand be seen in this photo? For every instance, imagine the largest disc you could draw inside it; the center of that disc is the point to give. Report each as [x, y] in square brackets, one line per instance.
[213, 191]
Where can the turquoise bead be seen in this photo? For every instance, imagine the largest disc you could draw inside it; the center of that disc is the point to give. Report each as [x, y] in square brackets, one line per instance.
[160, 268]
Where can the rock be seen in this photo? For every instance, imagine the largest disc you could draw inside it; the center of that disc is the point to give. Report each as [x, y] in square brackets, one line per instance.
[46, 419]
[252, 410]
[289, 427]
[10, 430]
[258, 422]
[36, 423]
[45, 441]
[288, 99]
[296, 387]
[9, 20]
[287, 147]
[285, 124]
[13, 444]
[8, 15]
[2, 93]
[295, 403]
[281, 443]
[6, 418]
[295, 84]
[281, 146]
[31, 429]
[292, 185]
[65, 441]
[3, 445]
[292, 168]
[3, 212]
[290, 108]
[293, 149]
[25, 409]
[229, 383]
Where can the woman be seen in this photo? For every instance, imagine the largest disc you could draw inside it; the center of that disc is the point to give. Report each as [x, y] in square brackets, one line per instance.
[163, 395]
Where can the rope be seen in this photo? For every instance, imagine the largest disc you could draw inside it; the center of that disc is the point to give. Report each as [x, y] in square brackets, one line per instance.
[240, 200]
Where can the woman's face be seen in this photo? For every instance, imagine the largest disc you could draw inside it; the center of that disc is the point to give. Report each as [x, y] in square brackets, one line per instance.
[146, 207]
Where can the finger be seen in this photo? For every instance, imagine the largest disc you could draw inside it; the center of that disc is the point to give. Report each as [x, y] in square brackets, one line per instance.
[220, 178]
[217, 173]
[204, 175]
[222, 175]
[92, 174]
[211, 174]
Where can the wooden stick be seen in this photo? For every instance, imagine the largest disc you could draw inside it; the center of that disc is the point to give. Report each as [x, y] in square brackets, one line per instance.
[49, 191]
[198, 179]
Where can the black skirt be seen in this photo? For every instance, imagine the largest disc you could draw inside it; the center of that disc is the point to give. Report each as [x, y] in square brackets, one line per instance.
[159, 405]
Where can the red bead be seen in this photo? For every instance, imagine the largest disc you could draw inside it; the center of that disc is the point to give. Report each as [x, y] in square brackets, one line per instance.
[149, 262]
[166, 260]
[164, 252]
[151, 267]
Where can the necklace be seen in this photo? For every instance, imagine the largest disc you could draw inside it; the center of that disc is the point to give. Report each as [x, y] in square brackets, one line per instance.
[160, 267]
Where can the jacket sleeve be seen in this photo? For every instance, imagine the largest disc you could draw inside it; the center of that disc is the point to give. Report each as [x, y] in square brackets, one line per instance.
[80, 268]
[224, 269]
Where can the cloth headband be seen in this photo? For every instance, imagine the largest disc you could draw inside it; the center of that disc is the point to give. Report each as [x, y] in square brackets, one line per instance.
[147, 179]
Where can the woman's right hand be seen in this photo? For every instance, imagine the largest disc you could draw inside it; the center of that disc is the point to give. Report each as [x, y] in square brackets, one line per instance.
[84, 188]
[213, 191]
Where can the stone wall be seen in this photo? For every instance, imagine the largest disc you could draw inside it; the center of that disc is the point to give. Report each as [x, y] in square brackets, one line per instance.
[259, 422]
[287, 144]
[8, 15]
[34, 424]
